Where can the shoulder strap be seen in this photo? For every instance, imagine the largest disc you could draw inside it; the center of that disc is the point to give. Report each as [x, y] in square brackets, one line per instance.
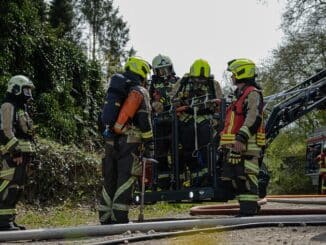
[211, 86]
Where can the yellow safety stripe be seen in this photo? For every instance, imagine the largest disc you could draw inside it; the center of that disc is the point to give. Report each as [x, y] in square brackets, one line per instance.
[118, 125]
[252, 166]
[10, 144]
[253, 179]
[124, 187]
[142, 111]
[147, 135]
[4, 185]
[136, 166]
[227, 139]
[162, 176]
[120, 207]
[201, 118]
[253, 147]
[25, 146]
[245, 130]
[107, 209]
[248, 197]
[322, 170]
[104, 208]
[200, 173]
[261, 139]
[106, 197]
[7, 172]
[231, 122]
[184, 117]
[8, 211]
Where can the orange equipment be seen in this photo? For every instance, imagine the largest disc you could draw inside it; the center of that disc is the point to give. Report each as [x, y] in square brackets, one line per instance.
[128, 110]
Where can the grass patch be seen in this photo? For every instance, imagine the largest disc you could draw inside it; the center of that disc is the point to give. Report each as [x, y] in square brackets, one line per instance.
[69, 214]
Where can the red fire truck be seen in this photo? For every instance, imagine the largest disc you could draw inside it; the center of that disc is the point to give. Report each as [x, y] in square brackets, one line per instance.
[315, 158]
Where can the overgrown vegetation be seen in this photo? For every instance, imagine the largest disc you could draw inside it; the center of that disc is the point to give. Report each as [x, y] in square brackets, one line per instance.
[64, 173]
[42, 40]
[301, 54]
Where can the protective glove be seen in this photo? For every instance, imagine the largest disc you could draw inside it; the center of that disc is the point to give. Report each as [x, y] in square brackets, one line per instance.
[234, 158]
[149, 149]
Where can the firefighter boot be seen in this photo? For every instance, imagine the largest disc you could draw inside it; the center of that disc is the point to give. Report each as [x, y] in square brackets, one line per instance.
[10, 226]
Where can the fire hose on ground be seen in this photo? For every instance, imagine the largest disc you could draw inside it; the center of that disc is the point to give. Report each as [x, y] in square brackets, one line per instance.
[167, 226]
[280, 216]
[233, 209]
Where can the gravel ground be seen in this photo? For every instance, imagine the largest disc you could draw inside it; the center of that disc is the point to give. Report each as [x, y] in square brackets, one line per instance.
[253, 236]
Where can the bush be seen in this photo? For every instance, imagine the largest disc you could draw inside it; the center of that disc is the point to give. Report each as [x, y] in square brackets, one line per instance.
[290, 177]
[63, 173]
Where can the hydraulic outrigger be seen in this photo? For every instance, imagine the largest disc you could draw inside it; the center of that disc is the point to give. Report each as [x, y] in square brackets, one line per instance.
[294, 103]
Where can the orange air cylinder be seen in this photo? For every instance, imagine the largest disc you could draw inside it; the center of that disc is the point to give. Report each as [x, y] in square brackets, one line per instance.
[128, 110]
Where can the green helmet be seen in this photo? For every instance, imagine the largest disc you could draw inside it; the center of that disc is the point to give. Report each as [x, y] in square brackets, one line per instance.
[162, 65]
[200, 68]
[17, 83]
[242, 68]
[138, 65]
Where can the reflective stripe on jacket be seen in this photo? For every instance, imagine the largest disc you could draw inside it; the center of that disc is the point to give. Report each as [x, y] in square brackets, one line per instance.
[234, 121]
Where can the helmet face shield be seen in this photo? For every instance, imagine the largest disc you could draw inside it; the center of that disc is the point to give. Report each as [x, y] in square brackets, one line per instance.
[27, 91]
[229, 77]
[164, 71]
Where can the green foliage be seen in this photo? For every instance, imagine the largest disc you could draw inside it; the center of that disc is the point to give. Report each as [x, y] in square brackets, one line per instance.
[64, 173]
[301, 54]
[61, 17]
[69, 89]
[285, 159]
[109, 30]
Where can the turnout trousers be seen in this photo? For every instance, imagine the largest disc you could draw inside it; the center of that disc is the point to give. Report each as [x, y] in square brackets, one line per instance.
[120, 168]
[162, 145]
[12, 181]
[197, 161]
[242, 179]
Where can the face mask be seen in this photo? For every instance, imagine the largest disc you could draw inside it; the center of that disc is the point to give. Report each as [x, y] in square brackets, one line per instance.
[163, 71]
[27, 92]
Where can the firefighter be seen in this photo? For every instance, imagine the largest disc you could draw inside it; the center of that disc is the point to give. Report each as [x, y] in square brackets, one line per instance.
[243, 136]
[124, 140]
[194, 98]
[160, 90]
[321, 159]
[17, 149]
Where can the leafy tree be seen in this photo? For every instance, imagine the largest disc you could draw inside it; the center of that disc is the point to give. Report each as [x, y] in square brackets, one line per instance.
[300, 55]
[68, 87]
[61, 17]
[108, 30]
[42, 8]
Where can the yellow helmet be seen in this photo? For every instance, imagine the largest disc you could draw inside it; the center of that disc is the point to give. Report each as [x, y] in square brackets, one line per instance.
[242, 68]
[200, 68]
[138, 65]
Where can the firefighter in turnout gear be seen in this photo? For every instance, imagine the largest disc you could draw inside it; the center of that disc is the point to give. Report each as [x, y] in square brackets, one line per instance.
[243, 136]
[160, 92]
[124, 140]
[17, 149]
[194, 99]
